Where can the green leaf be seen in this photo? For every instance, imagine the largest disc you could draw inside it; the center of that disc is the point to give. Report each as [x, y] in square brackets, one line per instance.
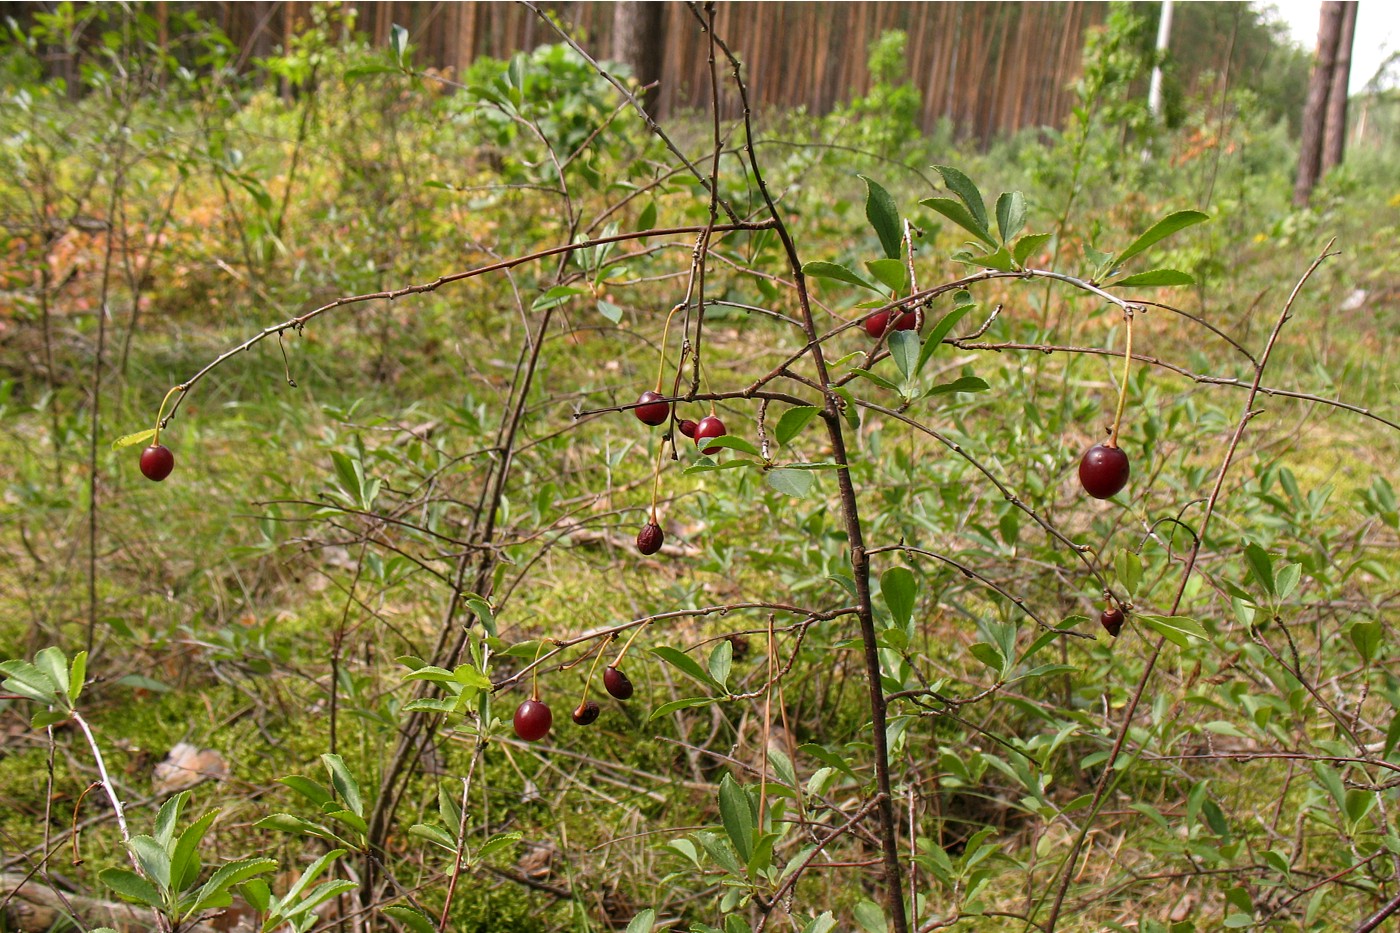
[870, 917]
[345, 783]
[666, 709]
[212, 892]
[793, 421]
[154, 859]
[348, 473]
[1155, 277]
[904, 349]
[822, 924]
[647, 220]
[168, 816]
[736, 813]
[130, 440]
[308, 788]
[940, 331]
[831, 270]
[686, 664]
[131, 886]
[1287, 579]
[1160, 231]
[52, 662]
[318, 896]
[795, 483]
[410, 918]
[879, 380]
[77, 675]
[184, 861]
[1261, 566]
[28, 681]
[883, 215]
[1129, 571]
[1029, 244]
[999, 259]
[959, 215]
[898, 588]
[891, 273]
[741, 444]
[961, 384]
[644, 922]
[721, 661]
[362, 71]
[498, 843]
[1178, 630]
[988, 655]
[398, 42]
[556, 296]
[1011, 214]
[1366, 636]
[967, 192]
[609, 310]
[312, 872]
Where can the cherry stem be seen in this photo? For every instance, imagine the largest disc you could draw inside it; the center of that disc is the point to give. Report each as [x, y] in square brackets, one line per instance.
[592, 668]
[665, 335]
[155, 438]
[656, 475]
[631, 638]
[1127, 371]
[535, 674]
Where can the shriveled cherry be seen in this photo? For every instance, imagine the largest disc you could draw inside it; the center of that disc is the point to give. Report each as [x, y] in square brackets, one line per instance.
[688, 428]
[617, 684]
[652, 411]
[532, 720]
[587, 713]
[1112, 620]
[709, 427]
[650, 538]
[1104, 471]
[156, 462]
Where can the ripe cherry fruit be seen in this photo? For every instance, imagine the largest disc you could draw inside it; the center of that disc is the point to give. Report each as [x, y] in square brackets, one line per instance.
[1103, 471]
[876, 324]
[688, 428]
[156, 462]
[651, 410]
[616, 683]
[709, 427]
[532, 720]
[587, 713]
[1112, 620]
[650, 538]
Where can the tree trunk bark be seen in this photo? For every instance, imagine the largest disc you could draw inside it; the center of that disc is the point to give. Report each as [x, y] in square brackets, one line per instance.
[1335, 129]
[1315, 109]
[638, 39]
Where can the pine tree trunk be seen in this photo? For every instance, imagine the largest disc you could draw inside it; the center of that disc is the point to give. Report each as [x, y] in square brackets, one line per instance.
[1315, 109]
[638, 39]
[1335, 129]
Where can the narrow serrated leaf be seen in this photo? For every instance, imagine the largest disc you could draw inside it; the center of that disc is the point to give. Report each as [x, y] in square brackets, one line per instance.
[1160, 231]
[130, 440]
[883, 215]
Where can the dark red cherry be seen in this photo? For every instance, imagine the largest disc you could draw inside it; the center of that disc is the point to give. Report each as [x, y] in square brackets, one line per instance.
[532, 720]
[1112, 620]
[709, 427]
[587, 713]
[688, 428]
[156, 462]
[875, 324]
[650, 538]
[617, 683]
[1103, 471]
[651, 411]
